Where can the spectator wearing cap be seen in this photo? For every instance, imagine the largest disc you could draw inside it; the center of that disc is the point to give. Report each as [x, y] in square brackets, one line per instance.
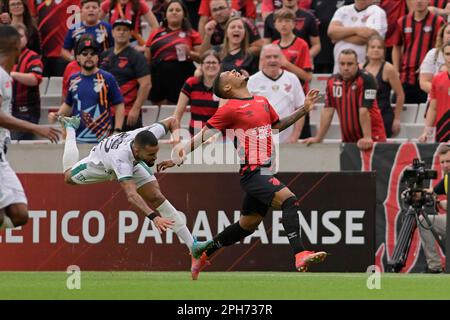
[171, 51]
[91, 95]
[27, 75]
[90, 23]
[131, 70]
[214, 30]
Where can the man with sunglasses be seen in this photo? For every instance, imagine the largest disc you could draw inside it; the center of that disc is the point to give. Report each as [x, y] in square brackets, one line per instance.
[91, 96]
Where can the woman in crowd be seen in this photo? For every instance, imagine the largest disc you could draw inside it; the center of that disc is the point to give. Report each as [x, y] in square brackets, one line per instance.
[387, 79]
[235, 53]
[171, 52]
[197, 92]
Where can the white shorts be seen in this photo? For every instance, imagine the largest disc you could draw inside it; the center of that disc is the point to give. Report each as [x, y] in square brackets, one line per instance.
[11, 190]
[86, 171]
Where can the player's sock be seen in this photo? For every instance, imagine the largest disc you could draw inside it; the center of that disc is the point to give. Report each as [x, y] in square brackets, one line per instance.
[230, 235]
[71, 154]
[168, 211]
[291, 223]
[7, 223]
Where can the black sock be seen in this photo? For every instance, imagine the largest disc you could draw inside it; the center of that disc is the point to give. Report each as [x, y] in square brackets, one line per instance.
[230, 235]
[291, 224]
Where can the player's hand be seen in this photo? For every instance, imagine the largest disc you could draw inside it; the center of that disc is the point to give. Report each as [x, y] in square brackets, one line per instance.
[423, 138]
[163, 165]
[210, 27]
[292, 139]
[162, 223]
[365, 143]
[364, 32]
[396, 127]
[48, 132]
[311, 98]
[52, 117]
[133, 117]
[310, 141]
[178, 154]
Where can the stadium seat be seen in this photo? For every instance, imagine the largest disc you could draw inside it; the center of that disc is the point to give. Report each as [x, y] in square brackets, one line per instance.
[166, 111]
[410, 131]
[319, 81]
[54, 86]
[184, 123]
[421, 113]
[409, 113]
[43, 86]
[149, 114]
[314, 114]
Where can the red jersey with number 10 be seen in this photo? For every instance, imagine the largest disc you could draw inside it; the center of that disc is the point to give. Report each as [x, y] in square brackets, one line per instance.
[248, 122]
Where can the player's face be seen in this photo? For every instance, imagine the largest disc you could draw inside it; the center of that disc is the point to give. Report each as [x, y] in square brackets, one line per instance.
[271, 59]
[220, 11]
[447, 57]
[444, 160]
[446, 35]
[234, 79]
[175, 13]
[87, 59]
[375, 50]
[348, 66]
[284, 26]
[210, 66]
[236, 32]
[121, 34]
[148, 154]
[90, 12]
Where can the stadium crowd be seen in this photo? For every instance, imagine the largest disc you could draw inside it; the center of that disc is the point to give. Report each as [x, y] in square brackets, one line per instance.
[378, 55]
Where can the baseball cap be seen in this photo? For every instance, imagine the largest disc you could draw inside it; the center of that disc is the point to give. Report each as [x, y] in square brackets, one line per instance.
[86, 43]
[122, 22]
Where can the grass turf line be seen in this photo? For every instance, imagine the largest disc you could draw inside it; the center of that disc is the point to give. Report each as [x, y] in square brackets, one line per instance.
[222, 285]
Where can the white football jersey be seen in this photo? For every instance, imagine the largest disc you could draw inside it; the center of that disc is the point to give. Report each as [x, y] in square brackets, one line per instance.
[114, 153]
[372, 17]
[6, 95]
[285, 94]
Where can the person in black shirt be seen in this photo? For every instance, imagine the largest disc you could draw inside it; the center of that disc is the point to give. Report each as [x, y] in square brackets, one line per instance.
[130, 68]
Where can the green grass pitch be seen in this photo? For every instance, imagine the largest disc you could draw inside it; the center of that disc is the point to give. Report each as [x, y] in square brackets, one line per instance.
[221, 285]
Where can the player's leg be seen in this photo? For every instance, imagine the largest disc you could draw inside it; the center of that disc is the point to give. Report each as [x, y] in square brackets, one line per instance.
[285, 200]
[71, 153]
[148, 188]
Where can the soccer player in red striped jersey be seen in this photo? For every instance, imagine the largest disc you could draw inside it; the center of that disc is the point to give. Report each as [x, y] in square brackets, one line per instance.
[352, 93]
[414, 37]
[438, 114]
[249, 120]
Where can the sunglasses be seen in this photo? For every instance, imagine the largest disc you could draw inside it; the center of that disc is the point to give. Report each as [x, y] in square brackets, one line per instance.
[88, 53]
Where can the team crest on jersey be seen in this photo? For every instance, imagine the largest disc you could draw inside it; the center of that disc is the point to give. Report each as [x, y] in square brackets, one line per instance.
[98, 85]
[238, 62]
[275, 87]
[287, 87]
[123, 61]
[354, 86]
[407, 30]
[182, 34]
[364, 19]
[299, 24]
[7, 84]
[427, 29]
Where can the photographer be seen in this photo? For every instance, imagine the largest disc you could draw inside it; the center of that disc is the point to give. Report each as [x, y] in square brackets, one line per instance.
[439, 221]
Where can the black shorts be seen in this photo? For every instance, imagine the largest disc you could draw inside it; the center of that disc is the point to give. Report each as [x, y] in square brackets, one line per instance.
[259, 190]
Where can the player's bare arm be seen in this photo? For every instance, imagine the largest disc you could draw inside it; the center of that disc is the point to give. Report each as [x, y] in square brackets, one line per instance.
[286, 122]
[134, 198]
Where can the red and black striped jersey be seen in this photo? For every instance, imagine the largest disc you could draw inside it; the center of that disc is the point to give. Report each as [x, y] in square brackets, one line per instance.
[439, 3]
[127, 67]
[162, 42]
[417, 38]
[54, 17]
[440, 91]
[26, 99]
[203, 106]
[347, 97]
[395, 9]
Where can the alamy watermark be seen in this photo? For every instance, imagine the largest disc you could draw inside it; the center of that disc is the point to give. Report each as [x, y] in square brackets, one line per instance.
[73, 281]
[374, 278]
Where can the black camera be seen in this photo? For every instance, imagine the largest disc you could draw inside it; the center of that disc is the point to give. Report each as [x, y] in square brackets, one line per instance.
[414, 176]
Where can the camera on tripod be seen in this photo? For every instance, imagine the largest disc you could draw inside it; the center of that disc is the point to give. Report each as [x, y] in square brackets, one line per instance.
[416, 202]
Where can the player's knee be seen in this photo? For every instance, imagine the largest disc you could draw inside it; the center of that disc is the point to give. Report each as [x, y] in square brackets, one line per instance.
[18, 214]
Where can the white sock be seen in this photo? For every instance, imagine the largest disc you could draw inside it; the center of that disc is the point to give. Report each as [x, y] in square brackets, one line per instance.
[168, 211]
[7, 223]
[71, 153]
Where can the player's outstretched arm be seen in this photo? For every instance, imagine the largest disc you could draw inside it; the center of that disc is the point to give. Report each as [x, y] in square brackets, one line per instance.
[286, 122]
[135, 199]
[9, 122]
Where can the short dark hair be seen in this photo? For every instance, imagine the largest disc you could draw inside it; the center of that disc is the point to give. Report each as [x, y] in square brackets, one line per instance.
[284, 13]
[145, 138]
[349, 52]
[83, 2]
[9, 37]
[443, 149]
[217, 89]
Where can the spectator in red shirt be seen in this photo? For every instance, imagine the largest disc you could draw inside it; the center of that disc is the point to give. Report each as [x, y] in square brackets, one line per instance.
[438, 114]
[415, 35]
[20, 14]
[27, 75]
[214, 32]
[171, 50]
[197, 92]
[54, 17]
[352, 92]
[131, 10]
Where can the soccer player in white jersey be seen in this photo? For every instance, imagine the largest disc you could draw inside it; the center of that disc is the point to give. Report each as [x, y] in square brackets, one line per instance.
[13, 202]
[127, 158]
[281, 87]
[353, 25]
